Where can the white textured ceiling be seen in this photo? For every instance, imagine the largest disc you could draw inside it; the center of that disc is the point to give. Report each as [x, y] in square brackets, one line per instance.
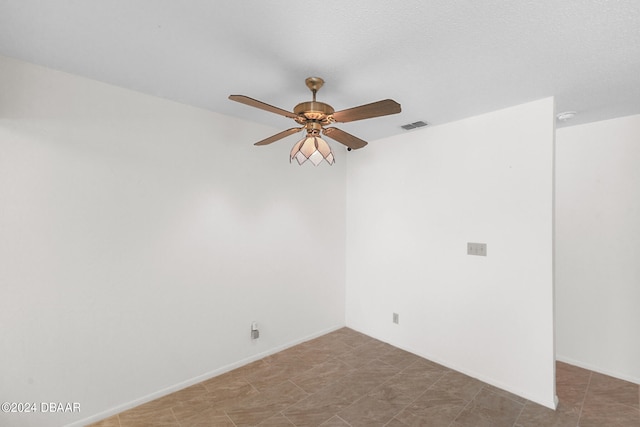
[442, 60]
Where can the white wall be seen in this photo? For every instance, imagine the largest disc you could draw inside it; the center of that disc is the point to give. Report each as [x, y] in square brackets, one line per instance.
[598, 246]
[140, 237]
[413, 203]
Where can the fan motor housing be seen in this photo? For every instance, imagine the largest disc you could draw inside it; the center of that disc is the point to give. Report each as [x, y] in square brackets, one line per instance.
[314, 110]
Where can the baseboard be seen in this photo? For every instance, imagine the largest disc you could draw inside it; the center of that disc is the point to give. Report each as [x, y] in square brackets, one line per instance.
[179, 386]
[598, 369]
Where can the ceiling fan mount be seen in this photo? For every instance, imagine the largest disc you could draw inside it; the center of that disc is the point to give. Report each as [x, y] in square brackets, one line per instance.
[313, 116]
[314, 83]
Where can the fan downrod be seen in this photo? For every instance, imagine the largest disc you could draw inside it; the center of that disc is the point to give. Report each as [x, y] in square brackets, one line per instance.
[313, 110]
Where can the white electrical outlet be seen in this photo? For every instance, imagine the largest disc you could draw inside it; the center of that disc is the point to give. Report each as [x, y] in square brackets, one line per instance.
[255, 333]
[396, 318]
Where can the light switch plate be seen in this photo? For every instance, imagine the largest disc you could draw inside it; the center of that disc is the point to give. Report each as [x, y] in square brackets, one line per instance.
[479, 249]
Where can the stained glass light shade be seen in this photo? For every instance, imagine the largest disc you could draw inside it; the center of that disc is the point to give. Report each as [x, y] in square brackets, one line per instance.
[312, 148]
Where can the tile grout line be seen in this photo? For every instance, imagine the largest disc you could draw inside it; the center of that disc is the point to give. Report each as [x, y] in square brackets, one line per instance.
[619, 403]
[337, 357]
[229, 418]
[347, 422]
[465, 406]
[418, 396]
[287, 418]
[333, 357]
[584, 398]
[399, 372]
[515, 423]
[297, 386]
[503, 393]
[628, 406]
[174, 416]
[379, 385]
[307, 395]
[289, 380]
[393, 418]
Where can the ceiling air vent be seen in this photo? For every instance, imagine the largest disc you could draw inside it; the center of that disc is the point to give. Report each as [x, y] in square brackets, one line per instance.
[414, 125]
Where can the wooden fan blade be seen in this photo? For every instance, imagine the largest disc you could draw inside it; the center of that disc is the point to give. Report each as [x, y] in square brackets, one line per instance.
[259, 104]
[345, 138]
[367, 111]
[278, 136]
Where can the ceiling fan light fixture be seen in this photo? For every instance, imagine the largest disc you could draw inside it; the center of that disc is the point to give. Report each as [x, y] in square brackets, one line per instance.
[312, 148]
[314, 116]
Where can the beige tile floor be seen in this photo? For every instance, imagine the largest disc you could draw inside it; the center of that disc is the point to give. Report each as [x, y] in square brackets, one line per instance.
[349, 379]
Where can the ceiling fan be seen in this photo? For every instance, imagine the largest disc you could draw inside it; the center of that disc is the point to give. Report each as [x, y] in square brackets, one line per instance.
[313, 116]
